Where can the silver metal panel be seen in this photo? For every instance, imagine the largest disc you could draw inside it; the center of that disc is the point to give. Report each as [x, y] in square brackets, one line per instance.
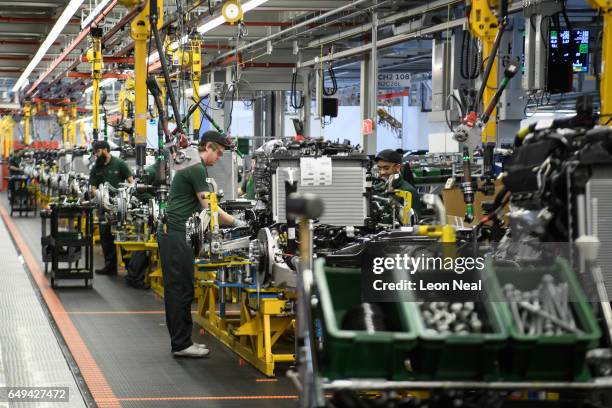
[599, 217]
[29, 353]
[80, 164]
[345, 204]
[225, 174]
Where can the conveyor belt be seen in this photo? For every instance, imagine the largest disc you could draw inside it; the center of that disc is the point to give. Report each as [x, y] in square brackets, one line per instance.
[124, 331]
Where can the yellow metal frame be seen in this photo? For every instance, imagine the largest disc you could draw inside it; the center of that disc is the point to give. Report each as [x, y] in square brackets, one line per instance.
[94, 54]
[254, 334]
[483, 25]
[7, 130]
[407, 196]
[140, 28]
[27, 110]
[73, 119]
[605, 87]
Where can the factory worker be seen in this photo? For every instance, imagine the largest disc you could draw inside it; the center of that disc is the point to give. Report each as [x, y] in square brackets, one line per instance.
[389, 163]
[114, 171]
[187, 196]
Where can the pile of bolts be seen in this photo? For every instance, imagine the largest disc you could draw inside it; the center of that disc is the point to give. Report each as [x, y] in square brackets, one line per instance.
[451, 317]
[542, 311]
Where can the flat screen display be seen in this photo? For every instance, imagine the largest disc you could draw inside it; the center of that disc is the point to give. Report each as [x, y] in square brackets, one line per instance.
[570, 47]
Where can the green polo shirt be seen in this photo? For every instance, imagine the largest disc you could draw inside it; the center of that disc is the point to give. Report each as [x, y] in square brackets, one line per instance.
[14, 161]
[248, 187]
[115, 171]
[401, 184]
[183, 201]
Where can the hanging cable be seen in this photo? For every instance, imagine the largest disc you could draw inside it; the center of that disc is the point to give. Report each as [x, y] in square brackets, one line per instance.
[332, 75]
[468, 58]
[293, 99]
[447, 109]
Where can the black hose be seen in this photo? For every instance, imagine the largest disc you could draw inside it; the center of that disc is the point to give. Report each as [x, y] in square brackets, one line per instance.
[162, 59]
[293, 100]
[332, 75]
[490, 61]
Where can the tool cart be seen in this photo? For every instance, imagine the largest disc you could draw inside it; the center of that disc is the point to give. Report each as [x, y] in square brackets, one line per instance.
[67, 242]
[21, 196]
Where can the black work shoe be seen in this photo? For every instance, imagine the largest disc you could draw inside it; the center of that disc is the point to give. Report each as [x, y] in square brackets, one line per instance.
[105, 271]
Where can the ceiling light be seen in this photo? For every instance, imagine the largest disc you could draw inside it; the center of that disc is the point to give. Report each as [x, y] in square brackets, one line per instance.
[67, 14]
[232, 11]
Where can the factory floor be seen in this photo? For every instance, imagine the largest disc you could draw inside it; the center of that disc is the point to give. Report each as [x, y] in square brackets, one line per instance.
[112, 338]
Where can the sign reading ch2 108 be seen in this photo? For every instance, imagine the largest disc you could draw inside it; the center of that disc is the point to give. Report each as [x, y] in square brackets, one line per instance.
[393, 80]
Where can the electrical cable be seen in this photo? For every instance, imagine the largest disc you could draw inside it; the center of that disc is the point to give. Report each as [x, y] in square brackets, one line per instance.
[293, 99]
[565, 17]
[447, 109]
[332, 75]
[162, 59]
[468, 57]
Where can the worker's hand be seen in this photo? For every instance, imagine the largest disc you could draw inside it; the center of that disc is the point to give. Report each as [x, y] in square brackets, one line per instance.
[238, 223]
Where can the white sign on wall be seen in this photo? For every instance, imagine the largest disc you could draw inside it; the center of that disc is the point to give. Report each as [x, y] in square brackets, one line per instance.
[390, 80]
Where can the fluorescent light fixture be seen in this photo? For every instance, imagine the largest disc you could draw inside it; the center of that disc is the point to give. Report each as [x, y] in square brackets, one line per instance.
[57, 29]
[95, 12]
[206, 27]
[252, 4]
[103, 83]
[214, 23]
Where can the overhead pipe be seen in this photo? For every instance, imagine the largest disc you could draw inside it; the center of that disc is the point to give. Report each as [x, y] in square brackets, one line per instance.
[111, 60]
[80, 37]
[292, 28]
[115, 75]
[35, 20]
[366, 28]
[23, 42]
[397, 39]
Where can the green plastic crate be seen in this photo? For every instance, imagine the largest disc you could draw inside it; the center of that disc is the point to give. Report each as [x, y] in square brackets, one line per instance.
[539, 357]
[454, 357]
[358, 354]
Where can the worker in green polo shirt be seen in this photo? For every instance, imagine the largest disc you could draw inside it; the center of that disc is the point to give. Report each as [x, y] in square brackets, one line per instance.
[247, 187]
[14, 163]
[187, 196]
[114, 171]
[389, 163]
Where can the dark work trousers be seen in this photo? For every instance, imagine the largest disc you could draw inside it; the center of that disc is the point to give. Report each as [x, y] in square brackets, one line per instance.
[137, 267]
[107, 241]
[177, 262]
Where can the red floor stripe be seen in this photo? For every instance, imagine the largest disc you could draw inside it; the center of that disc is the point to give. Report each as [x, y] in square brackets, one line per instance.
[98, 386]
[120, 312]
[223, 398]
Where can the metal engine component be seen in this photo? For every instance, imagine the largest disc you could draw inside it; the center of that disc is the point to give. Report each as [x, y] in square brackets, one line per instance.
[102, 198]
[207, 243]
[122, 201]
[196, 228]
[271, 268]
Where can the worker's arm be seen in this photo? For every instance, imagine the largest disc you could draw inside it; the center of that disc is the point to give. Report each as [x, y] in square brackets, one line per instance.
[224, 217]
[130, 179]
